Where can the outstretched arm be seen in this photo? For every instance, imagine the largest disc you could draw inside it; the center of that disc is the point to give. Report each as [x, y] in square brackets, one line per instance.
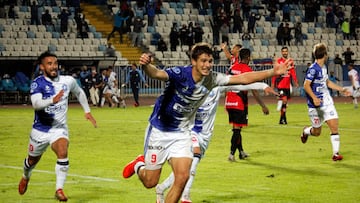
[255, 76]
[151, 70]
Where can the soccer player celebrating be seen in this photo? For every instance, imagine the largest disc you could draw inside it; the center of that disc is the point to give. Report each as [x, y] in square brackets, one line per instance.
[202, 132]
[168, 134]
[49, 97]
[283, 85]
[320, 103]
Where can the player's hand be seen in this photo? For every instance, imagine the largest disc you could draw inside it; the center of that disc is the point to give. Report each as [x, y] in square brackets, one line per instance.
[270, 90]
[282, 68]
[317, 101]
[145, 59]
[265, 110]
[89, 117]
[123, 85]
[346, 92]
[57, 97]
[146, 85]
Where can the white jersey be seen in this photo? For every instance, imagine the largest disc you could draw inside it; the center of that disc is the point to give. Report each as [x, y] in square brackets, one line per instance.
[205, 116]
[355, 78]
[48, 115]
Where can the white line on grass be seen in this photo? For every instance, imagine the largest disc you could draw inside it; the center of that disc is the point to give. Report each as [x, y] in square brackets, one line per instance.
[73, 175]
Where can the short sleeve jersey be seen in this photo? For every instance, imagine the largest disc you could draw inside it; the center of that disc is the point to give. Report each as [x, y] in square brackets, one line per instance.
[175, 109]
[54, 115]
[237, 100]
[284, 81]
[318, 77]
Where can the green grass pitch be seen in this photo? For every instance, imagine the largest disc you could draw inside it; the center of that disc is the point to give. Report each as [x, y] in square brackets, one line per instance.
[280, 167]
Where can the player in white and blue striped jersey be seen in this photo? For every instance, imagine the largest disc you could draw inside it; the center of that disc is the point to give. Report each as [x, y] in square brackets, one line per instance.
[168, 137]
[321, 106]
[49, 97]
[202, 132]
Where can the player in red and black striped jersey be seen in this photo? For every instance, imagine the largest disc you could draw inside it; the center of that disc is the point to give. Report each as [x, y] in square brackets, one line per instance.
[236, 104]
[283, 84]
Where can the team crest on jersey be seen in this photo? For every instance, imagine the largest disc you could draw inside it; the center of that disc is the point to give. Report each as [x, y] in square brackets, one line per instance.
[47, 89]
[33, 86]
[176, 70]
[65, 87]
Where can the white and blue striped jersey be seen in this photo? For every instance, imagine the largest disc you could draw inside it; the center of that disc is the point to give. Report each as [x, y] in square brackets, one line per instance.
[47, 114]
[318, 77]
[175, 109]
[205, 116]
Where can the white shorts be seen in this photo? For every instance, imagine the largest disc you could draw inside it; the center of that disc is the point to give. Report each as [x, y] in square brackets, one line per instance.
[319, 115]
[201, 141]
[39, 141]
[161, 146]
[354, 93]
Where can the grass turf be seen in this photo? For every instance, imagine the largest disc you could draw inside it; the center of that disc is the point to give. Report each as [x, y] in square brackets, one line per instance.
[280, 168]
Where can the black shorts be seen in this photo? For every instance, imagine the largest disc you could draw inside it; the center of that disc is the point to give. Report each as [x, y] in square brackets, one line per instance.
[238, 117]
[285, 93]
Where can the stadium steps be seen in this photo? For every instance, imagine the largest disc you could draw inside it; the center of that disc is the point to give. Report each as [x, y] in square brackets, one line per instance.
[103, 23]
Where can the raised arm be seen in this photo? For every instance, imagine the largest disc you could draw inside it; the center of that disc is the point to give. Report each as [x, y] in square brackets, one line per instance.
[151, 70]
[255, 76]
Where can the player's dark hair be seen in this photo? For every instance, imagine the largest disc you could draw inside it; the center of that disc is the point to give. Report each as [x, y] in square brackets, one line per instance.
[320, 50]
[45, 55]
[200, 48]
[284, 48]
[244, 53]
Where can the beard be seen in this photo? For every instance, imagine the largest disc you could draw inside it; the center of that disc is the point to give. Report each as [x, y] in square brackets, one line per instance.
[51, 75]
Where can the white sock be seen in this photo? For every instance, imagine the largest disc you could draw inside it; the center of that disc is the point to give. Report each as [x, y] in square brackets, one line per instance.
[27, 169]
[115, 99]
[166, 183]
[61, 170]
[102, 101]
[186, 192]
[355, 102]
[307, 131]
[138, 166]
[335, 141]
[279, 105]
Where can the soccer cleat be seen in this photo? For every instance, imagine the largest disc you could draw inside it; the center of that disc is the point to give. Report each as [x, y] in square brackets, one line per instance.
[59, 195]
[304, 136]
[243, 155]
[337, 157]
[159, 195]
[282, 122]
[186, 198]
[231, 158]
[129, 170]
[23, 185]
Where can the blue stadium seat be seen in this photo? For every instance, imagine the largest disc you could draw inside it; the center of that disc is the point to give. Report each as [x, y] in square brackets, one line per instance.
[164, 10]
[265, 42]
[101, 47]
[179, 11]
[52, 48]
[55, 35]
[311, 30]
[30, 34]
[339, 42]
[172, 4]
[151, 29]
[97, 35]
[180, 5]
